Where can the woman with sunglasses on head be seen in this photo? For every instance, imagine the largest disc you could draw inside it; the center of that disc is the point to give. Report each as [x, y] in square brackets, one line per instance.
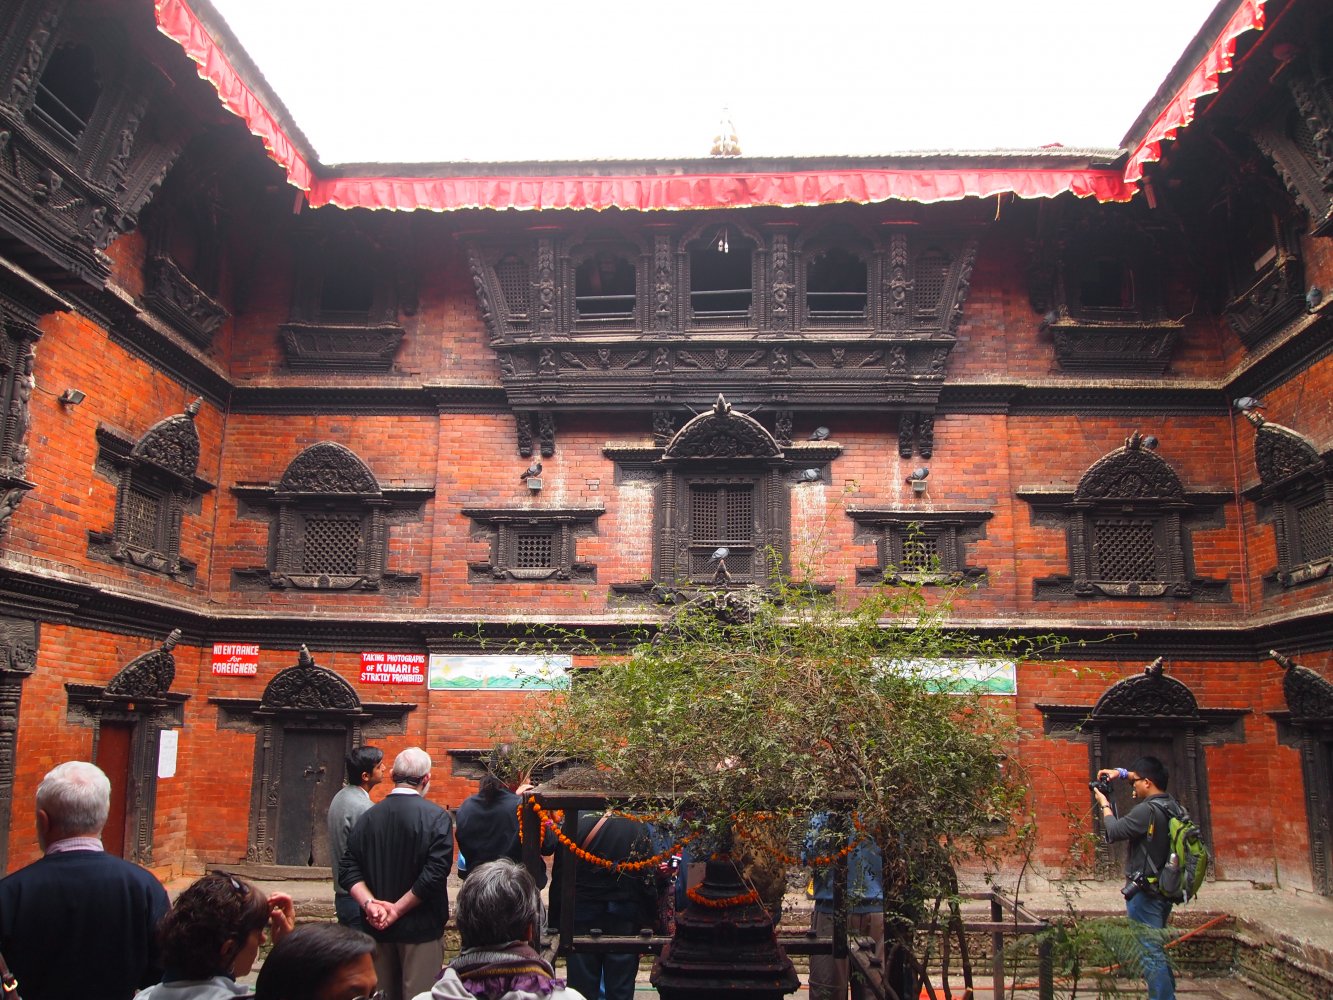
[211, 936]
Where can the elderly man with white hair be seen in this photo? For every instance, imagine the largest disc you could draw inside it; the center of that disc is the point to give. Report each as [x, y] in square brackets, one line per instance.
[79, 921]
[396, 867]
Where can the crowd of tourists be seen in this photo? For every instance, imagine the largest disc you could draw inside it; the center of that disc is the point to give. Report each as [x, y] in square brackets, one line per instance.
[81, 922]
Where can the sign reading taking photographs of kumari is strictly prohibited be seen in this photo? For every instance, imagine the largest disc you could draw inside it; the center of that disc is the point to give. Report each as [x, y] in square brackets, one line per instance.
[393, 668]
[503, 671]
[235, 659]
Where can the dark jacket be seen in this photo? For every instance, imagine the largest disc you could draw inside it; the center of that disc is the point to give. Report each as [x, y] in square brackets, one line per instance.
[619, 839]
[81, 923]
[489, 830]
[1145, 827]
[404, 842]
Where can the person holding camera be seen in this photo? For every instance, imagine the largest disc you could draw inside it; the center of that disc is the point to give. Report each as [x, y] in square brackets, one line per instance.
[1149, 845]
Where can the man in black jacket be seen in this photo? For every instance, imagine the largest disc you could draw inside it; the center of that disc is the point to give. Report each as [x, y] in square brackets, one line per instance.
[79, 922]
[1145, 827]
[396, 867]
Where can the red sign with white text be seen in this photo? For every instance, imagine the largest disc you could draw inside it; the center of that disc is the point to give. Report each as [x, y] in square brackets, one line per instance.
[235, 659]
[393, 668]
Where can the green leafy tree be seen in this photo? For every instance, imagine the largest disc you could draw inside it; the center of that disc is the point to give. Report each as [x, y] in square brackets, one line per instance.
[782, 702]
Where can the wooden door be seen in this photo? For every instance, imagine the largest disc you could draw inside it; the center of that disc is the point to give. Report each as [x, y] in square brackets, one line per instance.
[312, 769]
[1122, 752]
[114, 745]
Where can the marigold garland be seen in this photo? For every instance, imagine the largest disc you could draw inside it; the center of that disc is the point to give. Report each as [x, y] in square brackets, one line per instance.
[819, 861]
[592, 859]
[743, 899]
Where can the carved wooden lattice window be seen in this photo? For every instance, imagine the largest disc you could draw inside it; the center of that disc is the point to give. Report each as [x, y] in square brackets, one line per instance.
[722, 516]
[925, 548]
[515, 286]
[533, 544]
[155, 483]
[67, 93]
[929, 281]
[333, 544]
[1295, 494]
[1126, 549]
[1127, 530]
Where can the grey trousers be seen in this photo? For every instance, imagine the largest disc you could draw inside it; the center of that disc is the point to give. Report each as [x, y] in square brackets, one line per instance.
[404, 970]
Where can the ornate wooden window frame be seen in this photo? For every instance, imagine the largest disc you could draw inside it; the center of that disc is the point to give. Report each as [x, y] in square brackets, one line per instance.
[1149, 702]
[586, 248]
[1137, 340]
[1131, 482]
[138, 694]
[328, 478]
[317, 340]
[1304, 163]
[1273, 294]
[503, 527]
[811, 247]
[161, 465]
[1293, 476]
[23, 301]
[1307, 726]
[890, 530]
[68, 200]
[706, 234]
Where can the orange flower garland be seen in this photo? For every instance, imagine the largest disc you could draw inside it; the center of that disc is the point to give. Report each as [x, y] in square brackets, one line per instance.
[815, 862]
[592, 859]
[743, 899]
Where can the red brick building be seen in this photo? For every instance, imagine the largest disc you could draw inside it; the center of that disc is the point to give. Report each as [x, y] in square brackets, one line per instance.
[248, 408]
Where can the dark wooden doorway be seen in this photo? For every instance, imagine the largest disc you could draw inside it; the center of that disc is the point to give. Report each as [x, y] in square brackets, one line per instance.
[1122, 751]
[115, 744]
[312, 769]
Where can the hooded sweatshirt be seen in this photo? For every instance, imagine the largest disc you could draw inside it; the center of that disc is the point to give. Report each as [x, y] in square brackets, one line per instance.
[217, 988]
[510, 971]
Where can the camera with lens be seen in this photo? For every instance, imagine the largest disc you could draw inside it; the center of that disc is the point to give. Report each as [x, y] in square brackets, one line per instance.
[1134, 884]
[1102, 785]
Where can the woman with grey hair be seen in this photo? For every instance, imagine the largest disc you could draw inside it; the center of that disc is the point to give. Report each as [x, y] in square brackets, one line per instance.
[499, 920]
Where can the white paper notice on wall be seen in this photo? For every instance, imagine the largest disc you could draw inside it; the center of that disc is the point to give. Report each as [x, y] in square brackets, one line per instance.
[167, 745]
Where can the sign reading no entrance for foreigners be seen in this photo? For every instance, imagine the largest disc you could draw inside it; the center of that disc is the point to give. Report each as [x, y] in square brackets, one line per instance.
[236, 659]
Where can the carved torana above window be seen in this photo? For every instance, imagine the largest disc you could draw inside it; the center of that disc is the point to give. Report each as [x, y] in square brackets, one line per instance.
[330, 522]
[1128, 530]
[1295, 495]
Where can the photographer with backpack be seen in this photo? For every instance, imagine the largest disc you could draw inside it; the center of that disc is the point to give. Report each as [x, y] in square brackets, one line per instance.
[1146, 827]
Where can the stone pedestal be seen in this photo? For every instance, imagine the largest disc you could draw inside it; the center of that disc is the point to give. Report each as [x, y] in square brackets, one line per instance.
[730, 949]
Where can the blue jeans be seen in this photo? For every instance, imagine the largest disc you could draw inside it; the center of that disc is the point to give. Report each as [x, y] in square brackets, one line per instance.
[615, 971]
[1152, 910]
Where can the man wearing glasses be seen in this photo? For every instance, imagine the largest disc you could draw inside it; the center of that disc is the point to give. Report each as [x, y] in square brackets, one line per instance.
[1145, 827]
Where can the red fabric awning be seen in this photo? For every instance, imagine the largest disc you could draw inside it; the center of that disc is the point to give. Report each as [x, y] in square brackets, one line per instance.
[690, 191]
[1179, 112]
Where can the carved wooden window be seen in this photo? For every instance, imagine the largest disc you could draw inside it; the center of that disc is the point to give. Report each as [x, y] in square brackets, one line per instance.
[836, 286]
[721, 280]
[330, 524]
[1127, 529]
[67, 93]
[1265, 274]
[605, 286]
[1105, 285]
[929, 280]
[155, 484]
[533, 544]
[511, 273]
[345, 308]
[722, 516]
[1295, 494]
[926, 548]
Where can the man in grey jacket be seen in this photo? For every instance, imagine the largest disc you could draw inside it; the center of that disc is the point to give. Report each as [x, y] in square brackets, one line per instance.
[365, 770]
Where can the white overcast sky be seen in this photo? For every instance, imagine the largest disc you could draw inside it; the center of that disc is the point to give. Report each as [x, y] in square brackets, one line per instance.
[439, 80]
